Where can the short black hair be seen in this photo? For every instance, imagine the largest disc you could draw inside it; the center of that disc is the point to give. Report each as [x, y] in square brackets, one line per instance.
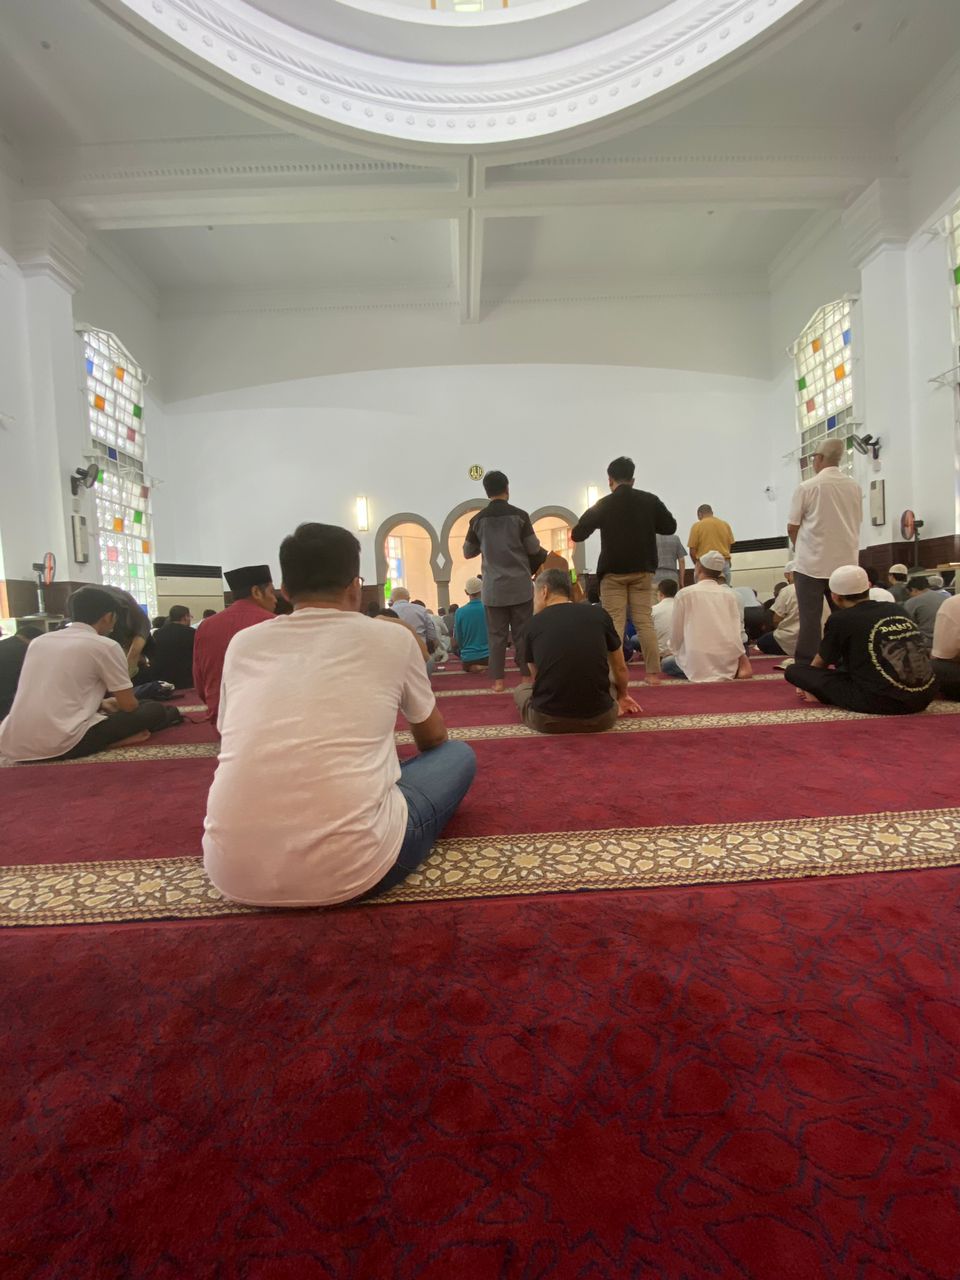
[158, 622]
[861, 595]
[386, 613]
[920, 583]
[178, 612]
[668, 587]
[557, 582]
[89, 605]
[318, 560]
[209, 613]
[872, 576]
[454, 608]
[621, 469]
[495, 483]
[704, 509]
[29, 632]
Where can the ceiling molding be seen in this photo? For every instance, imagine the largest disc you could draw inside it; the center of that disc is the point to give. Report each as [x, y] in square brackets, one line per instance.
[794, 254]
[46, 242]
[308, 78]
[878, 220]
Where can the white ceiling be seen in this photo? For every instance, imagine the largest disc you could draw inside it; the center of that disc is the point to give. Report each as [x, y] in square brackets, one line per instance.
[388, 257]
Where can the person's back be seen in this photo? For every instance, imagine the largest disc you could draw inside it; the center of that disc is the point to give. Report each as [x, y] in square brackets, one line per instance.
[172, 656]
[416, 617]
[13, 651]
[569, 646]
[663, 624]
[883, 652]
[470, 631]
[255, 603]
[707, 643]
[329, 737]
[510, 551]
[923, 608]
[65, 676]
[830, 507]
[628, 520]
[709, 533]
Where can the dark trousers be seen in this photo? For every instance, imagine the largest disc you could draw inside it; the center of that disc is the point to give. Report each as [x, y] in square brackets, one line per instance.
[536, 720]
[767, 643]
[839, 689]
[948, 677]
[123, 724]
[811, 593]
[504, 620]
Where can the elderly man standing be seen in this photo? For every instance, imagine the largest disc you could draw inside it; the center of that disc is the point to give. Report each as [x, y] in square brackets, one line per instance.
[824, 526]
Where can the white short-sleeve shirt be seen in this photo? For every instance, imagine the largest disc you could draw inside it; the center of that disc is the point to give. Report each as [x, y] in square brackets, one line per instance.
[304, 809]
[707, 642]
[829, 510]
[65, 676]
[946, 630]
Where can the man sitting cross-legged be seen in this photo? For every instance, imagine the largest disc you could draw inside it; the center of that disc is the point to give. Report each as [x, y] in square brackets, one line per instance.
[308, 707]
[470, 630]
[571, 650]
[881, 660]
[707, 635]
[61, 710]
[946, 648]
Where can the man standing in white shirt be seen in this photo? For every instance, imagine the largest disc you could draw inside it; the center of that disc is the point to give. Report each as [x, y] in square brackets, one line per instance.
[824, 526]
[707, 644]
[66, 676]
[345, 818]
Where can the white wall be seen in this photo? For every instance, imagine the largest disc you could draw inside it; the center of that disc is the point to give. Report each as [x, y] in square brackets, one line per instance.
[240, 470]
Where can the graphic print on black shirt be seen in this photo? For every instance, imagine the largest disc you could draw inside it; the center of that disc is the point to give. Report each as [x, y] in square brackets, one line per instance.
[881, 648]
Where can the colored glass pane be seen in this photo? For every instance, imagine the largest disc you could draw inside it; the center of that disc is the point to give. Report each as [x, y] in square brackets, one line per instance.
[138, 517]
[847, 335]
[100, 477]
[802, 384]
[131, 434]
[840, 372]
[89, 363]
[849, 442]
[118, 524]
[120, 373]
[113, 555]
[956, 275]
[99, 402]
[112, 455]
[144, 491]
[133, 571]
[832, 423]
[811, 405]
[137, 411]
[145, 548]
[816, 345]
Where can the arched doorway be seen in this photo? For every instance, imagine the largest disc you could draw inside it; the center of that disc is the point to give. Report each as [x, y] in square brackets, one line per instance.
[454, 532]
[552, 525]
[406, 553]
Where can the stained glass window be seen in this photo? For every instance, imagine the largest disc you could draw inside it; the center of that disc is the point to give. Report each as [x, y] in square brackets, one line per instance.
[824, 383]
[124, 519]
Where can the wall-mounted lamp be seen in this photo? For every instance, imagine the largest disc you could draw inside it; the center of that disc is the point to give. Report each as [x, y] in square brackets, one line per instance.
[593, 494]
[363, 515]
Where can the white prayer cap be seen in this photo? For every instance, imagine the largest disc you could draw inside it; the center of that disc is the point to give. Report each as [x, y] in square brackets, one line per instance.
[900, 569]
[849, 580]
[936, 581]
[790, 566]
[713, 560]
[473, 586]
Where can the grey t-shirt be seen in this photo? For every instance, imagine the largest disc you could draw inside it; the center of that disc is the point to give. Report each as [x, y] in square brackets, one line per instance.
[923, 609]
[511, 552]
[670, 550]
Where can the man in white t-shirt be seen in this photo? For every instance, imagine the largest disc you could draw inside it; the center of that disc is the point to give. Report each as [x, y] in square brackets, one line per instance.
[707, 644]
[308, 708]
[60, 709]
[946, 648]
[824, 526]
[782, 640]
[662, 614]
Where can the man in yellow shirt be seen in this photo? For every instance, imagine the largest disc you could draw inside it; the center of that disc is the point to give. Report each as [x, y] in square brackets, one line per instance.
[711, 534]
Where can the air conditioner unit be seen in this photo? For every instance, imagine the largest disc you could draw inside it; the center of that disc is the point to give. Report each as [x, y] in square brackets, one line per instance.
[81, 540]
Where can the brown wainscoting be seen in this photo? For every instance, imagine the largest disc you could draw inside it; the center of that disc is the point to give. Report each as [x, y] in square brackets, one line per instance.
[21, 597]
[933, 551]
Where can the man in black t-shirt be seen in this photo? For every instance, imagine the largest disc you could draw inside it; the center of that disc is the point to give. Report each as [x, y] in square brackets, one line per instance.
[172, 658]
[571, 650]
[881, 662]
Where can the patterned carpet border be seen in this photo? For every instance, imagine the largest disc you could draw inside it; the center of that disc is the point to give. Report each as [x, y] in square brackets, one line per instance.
[510, 732]
[478, 867]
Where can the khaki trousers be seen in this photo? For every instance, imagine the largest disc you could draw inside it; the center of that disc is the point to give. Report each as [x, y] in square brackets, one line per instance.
[633, 592]
[536, 720]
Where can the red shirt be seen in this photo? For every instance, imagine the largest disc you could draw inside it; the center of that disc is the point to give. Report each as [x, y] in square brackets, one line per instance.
[210, 647]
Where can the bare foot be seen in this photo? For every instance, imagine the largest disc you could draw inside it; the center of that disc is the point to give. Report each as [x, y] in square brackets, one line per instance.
[744, 669]
[652, 680]
[498, 686]
[808, 697]
[133, 741]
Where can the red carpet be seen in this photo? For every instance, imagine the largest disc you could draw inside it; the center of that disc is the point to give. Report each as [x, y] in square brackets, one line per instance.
[755, 1081]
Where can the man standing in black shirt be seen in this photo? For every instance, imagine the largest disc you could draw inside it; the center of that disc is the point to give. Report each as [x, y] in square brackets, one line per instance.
[570, 652]
[881, 662]
[629, 521]
[13, 650]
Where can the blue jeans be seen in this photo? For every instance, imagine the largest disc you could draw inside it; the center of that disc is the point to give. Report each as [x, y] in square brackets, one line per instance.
[433, 784]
